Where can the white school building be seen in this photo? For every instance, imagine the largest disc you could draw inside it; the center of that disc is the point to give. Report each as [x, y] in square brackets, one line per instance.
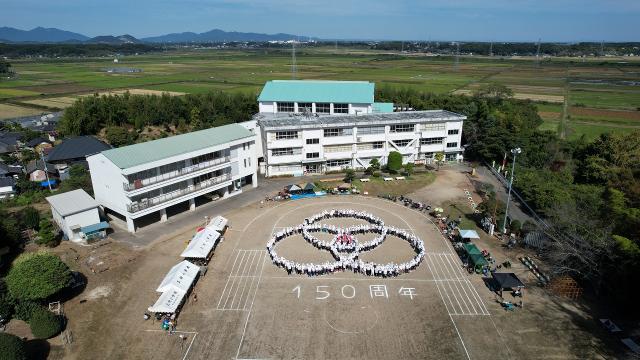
[310, 127]
[142, 182]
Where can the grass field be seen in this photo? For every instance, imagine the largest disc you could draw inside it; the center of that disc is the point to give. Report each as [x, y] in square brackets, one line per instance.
[590, 84]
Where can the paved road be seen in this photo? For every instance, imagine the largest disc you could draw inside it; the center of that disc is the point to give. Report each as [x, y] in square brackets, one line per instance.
[191, 219]
[516, 209]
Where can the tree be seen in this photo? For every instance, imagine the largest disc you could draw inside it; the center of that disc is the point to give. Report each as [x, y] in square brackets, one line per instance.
[46, 235]
[11, 347]
[394, 162]
[374, 164]
[515, 226]
[439, 157]
[494, 91]
[30, 217]
[37, 276]
[79, 178]
[349, 175]
[119, 136]
[44, 324]
[408, 169]
[194, 119]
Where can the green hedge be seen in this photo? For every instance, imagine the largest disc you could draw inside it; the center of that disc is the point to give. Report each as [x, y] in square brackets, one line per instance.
[11, 347]
[45, 324]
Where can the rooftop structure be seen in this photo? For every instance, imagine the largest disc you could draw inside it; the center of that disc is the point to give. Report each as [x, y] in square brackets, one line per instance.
[77, 215]
[318, 91]
[76, 149]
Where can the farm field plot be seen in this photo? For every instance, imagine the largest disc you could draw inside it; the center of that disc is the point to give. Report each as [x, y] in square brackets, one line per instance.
[248, 308]
[8, 111]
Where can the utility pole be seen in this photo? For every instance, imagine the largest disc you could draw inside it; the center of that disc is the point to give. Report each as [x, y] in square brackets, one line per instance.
[456, 64]
[491, 49]
[515, 152]
[46, 171]
[538, 54]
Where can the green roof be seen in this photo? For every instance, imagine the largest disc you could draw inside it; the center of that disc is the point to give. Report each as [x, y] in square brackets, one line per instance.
[382, 107]
[471, 248]
[354, 92]
[150, 151]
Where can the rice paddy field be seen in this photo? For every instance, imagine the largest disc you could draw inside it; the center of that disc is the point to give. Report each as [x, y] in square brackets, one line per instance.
[576, 97]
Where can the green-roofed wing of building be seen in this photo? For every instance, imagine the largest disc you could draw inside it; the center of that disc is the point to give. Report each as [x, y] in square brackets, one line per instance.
[150, 151]
[318, 91]
[380, 108]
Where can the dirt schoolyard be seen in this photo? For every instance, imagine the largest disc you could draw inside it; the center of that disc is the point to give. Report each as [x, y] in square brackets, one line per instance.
[247, 308]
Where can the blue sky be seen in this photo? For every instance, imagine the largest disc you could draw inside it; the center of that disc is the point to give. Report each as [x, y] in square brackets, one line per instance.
[481, 20]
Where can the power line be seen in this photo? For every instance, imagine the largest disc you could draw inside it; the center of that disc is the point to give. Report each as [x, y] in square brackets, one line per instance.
[293, 60]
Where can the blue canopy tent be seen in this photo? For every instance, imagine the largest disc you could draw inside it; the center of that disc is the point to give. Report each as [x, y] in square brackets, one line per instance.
[46, 183]
[95, 231]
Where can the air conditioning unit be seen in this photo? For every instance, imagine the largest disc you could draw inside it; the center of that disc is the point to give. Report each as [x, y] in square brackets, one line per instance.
[359, 139]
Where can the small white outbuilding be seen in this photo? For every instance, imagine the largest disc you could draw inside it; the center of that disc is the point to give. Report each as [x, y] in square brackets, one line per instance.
[77, 215]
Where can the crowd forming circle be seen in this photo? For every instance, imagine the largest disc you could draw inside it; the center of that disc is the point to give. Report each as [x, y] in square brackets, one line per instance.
[344, 246]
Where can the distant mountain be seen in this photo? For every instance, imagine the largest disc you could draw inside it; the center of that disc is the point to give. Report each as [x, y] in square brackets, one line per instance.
[113, 40]
[39, 34]
[218, 35]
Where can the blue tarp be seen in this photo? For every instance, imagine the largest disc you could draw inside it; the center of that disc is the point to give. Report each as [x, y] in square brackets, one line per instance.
[51, 182]
[95, 227]
[302, 196]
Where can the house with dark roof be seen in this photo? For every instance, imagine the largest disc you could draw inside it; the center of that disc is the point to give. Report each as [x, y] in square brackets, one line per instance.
[7, 187]
[36, 170]
[37, 141]
[10, 170]
[75, 150]
[9, 142]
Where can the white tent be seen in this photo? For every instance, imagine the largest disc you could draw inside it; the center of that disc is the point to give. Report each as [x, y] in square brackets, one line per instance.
[168, 301]
[218, 223]
[469, 234]
[180, 277]
[201, 244]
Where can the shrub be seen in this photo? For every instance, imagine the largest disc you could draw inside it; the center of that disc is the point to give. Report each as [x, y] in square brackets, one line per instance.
[37, 276]
[349, 175]
[376, 174]
[45, 324]
[24, 310]
[11, 347]
[46, 235]
[6, 307]
[515, 226]
[30, 218]
[374, 164]
[408, 169]
[395, 162]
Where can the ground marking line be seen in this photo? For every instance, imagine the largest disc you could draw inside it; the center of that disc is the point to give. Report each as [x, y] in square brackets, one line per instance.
[194, 333]
[228, 278]
[474, 293]
[469, 304]
[250, 279]
[458, 273]
[437, 272]
[244, 307]
[233, 283]
[440, 292]
[250, 258]
[458, 297]
[244, 280]
[460, 337]
[189, 348]
[244, 330]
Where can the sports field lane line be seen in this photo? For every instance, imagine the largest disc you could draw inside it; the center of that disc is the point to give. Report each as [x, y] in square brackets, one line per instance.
[468, 304]
[250, 277]
[457, 274]
[244, 307]
[436, 271]
[247, 265]
[455, 290]
[244, 330]
[228, 279]
[449, 311]
[460, 337]
[244, 278]
[235, 278]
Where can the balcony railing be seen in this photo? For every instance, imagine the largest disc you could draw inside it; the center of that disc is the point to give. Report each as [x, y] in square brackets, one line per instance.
[138, 184]
[147, 203]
